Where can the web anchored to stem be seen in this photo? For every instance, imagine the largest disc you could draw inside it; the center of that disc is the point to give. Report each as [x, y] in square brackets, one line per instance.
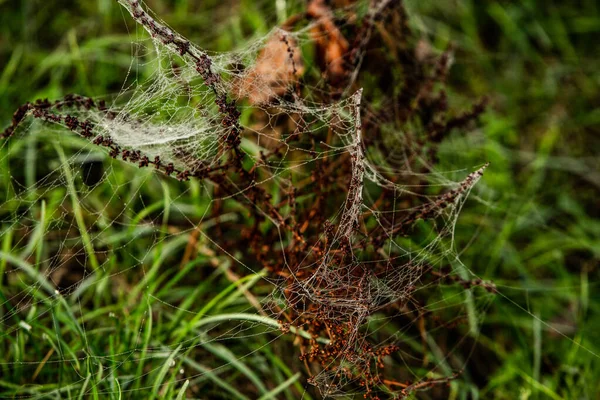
[335, 198]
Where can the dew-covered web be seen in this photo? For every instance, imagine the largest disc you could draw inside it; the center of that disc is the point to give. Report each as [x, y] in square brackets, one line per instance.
[330, 223]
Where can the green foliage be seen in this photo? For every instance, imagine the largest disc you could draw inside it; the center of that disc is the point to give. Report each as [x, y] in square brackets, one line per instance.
[532, 225]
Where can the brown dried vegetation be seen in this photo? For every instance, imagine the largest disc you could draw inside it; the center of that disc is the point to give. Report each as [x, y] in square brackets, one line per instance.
[412, 91]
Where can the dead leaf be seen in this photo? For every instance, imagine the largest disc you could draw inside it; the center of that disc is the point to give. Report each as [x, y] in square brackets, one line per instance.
[278, 66]
[331, 44]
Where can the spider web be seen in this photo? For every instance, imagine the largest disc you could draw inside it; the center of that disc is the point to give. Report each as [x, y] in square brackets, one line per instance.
[344, 236]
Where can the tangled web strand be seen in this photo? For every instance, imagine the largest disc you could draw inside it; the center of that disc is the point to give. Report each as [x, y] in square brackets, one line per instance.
[341, 216]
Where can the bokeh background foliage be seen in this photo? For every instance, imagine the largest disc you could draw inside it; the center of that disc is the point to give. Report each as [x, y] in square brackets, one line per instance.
[532, 227]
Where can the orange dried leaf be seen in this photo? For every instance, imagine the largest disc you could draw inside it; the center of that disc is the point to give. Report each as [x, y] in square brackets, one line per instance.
[331, 44]
[278, 66]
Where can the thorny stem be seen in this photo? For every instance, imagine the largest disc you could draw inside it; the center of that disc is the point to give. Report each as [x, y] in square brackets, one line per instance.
[203, 66]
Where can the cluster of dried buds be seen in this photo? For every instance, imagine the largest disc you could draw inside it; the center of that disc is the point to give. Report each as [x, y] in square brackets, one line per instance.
[311, 233]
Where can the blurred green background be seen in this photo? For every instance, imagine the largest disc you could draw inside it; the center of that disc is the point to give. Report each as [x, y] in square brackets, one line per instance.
[532, 225]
